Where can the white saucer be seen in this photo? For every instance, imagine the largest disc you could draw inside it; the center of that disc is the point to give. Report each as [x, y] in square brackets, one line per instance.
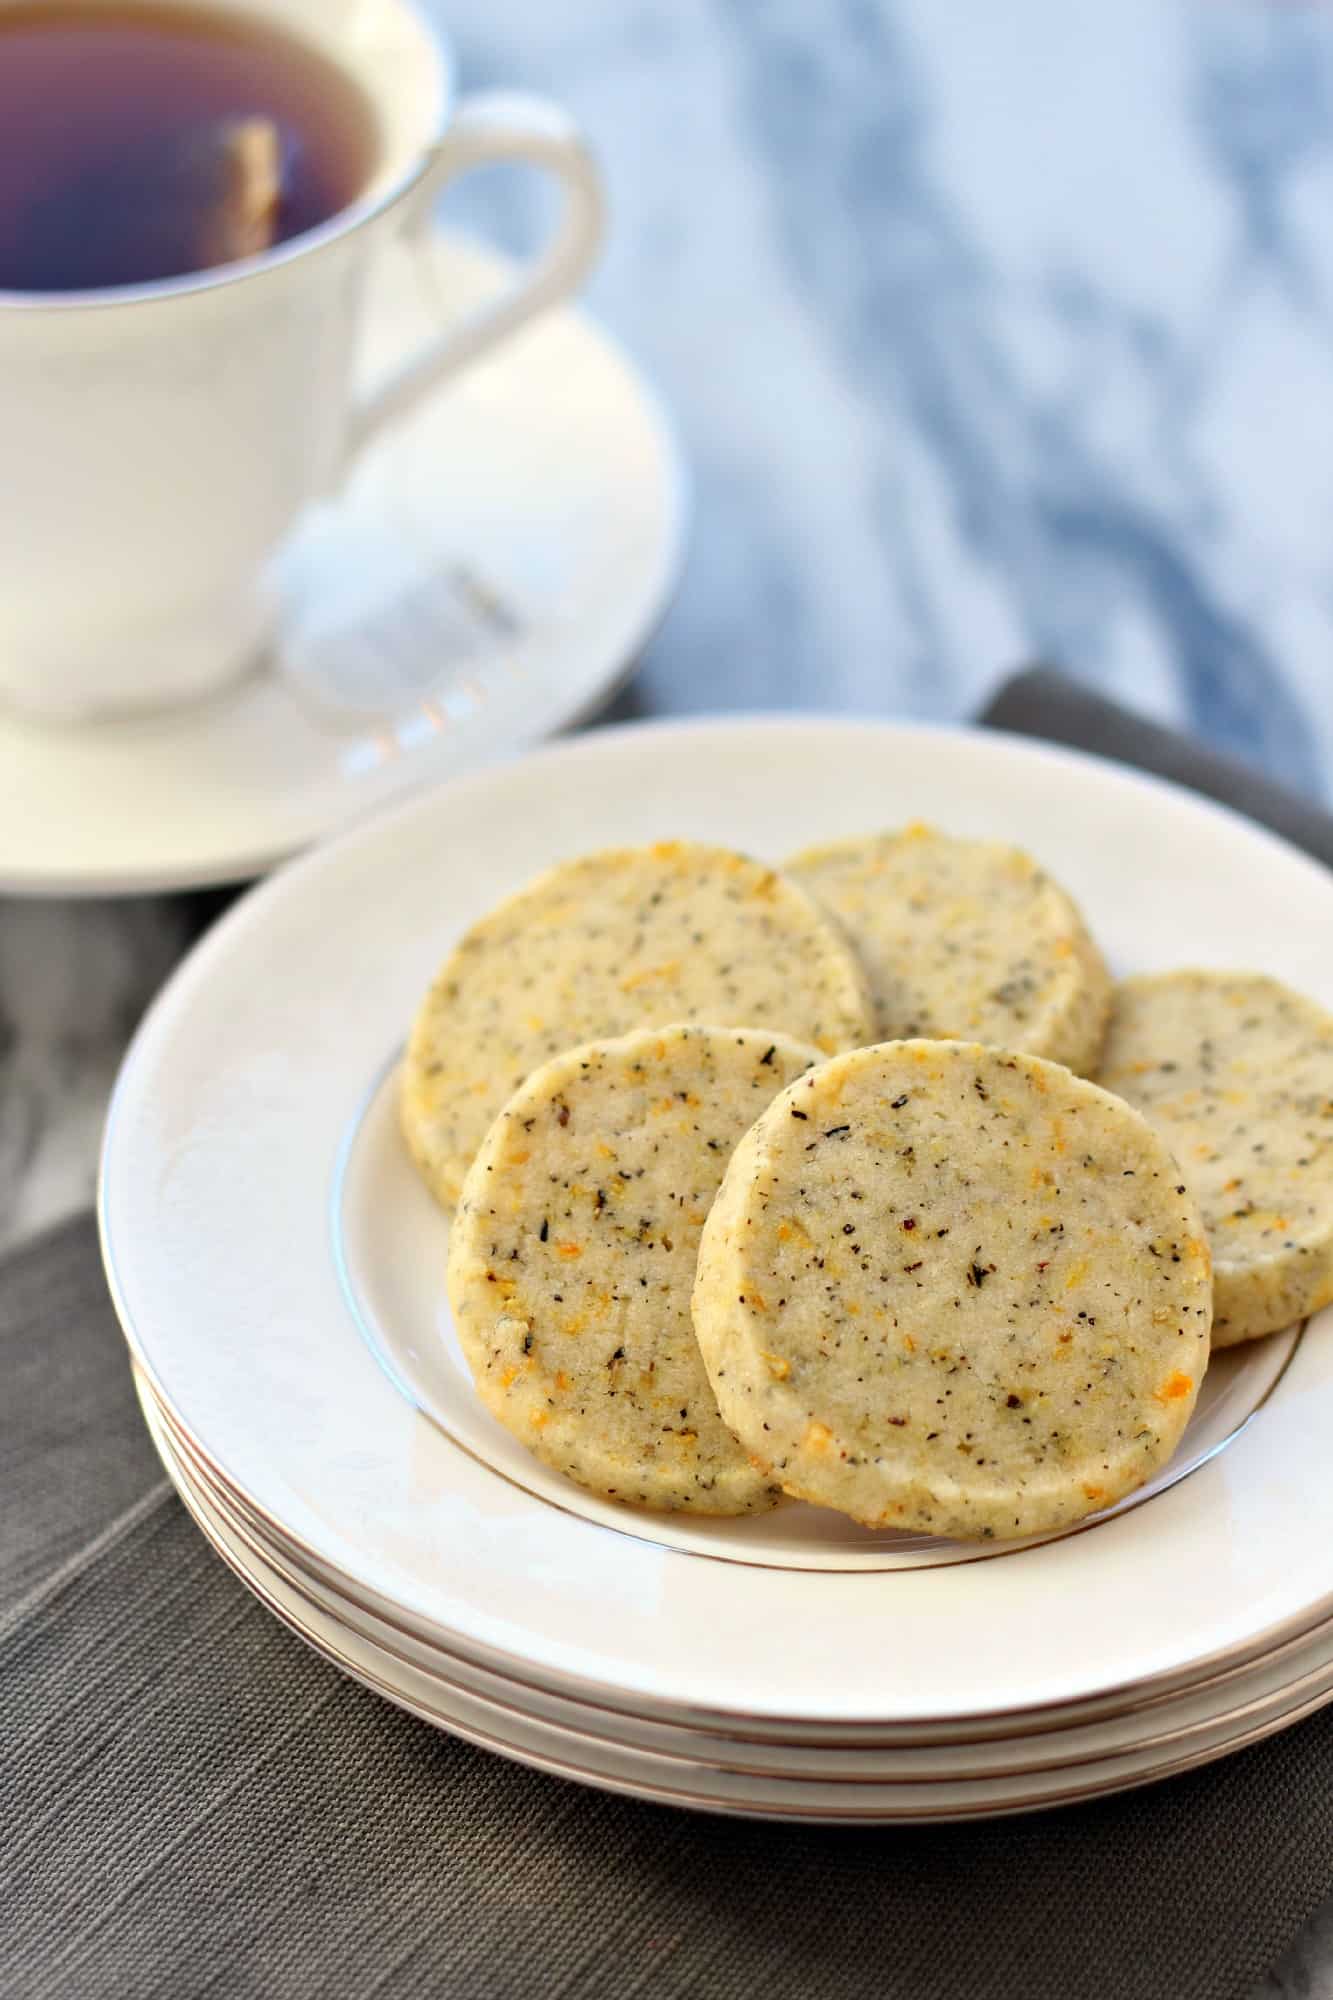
[283, 1297]
[487, 577]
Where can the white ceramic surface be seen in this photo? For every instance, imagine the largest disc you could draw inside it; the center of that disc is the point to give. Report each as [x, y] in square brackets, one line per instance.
[484, 579]
[1009, 1748]
[1008, 1744]
[221, 1163]
[699, 1769]
[160, 440]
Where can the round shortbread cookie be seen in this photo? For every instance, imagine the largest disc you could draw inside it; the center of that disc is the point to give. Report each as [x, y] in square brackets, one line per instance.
[965, 939]
[573, 1253]
[1235, 1071]
[948, 1288]
[628, 938]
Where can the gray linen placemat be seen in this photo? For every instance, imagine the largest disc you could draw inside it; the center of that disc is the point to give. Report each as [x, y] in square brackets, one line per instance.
[192, 1803]
[1043, 702]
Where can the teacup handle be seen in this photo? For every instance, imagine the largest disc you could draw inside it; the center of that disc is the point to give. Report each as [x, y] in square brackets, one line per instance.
[487, 128]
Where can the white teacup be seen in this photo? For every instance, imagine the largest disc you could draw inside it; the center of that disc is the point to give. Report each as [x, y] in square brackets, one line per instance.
[158, 441]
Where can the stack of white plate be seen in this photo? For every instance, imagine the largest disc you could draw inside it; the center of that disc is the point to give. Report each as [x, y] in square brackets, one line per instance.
[279, 1273]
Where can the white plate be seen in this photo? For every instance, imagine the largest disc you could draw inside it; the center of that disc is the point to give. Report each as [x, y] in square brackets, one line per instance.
[487, 577]
[705, 1771]
[233, 1152]
[1163, 1727]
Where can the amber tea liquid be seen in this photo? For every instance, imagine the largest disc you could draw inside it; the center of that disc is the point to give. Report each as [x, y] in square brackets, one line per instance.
[141, 142]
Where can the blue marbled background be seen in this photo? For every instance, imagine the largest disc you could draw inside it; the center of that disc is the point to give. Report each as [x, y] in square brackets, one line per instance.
[992, 331]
